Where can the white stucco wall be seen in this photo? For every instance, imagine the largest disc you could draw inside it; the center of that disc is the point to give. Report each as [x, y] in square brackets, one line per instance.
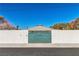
[21, 36]
[14, 36]
[65, 36]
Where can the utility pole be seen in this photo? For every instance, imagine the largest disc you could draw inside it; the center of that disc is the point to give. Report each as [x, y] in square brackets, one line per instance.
[17, 27]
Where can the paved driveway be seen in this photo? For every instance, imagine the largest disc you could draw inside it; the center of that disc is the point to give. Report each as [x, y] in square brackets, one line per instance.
[39, 51]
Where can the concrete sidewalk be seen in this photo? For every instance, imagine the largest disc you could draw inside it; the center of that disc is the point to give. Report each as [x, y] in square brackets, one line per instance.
[41, 45]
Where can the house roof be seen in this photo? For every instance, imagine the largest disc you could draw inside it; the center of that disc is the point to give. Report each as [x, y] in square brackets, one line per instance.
[39, 28]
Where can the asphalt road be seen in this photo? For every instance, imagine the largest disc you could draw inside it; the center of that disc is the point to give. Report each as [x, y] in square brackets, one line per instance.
[39, 51]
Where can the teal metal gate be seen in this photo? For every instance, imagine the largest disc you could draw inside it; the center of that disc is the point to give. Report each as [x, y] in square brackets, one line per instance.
[39, 37]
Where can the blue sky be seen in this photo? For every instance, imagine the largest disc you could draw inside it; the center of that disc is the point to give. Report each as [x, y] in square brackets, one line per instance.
[31, 14]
